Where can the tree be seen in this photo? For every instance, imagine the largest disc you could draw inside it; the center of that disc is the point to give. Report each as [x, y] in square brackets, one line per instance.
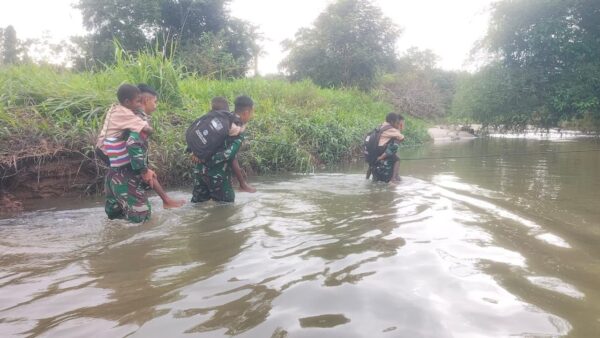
[551, 49]
[172, 25]
[350, 43]
[10, 46]
[417, 87]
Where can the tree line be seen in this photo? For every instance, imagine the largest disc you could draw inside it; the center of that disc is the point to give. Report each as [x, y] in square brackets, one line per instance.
[543, 68]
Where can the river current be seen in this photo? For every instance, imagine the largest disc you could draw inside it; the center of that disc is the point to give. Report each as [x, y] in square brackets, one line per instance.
[485, 238]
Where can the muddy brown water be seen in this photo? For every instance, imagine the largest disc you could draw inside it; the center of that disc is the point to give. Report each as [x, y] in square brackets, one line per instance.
[470, 247]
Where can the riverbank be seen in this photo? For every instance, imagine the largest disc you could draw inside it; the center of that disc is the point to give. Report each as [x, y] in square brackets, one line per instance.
[444, 133]
[50, 119]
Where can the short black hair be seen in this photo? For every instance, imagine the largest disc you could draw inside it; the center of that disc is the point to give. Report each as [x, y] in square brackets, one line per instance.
[243, 102]
[145, 89]
[392, 118]
[127, 92]
[219, 103]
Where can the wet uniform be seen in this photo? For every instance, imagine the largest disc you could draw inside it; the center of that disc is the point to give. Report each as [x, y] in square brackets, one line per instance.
[124, 187]
[383, 169]
[212, 178]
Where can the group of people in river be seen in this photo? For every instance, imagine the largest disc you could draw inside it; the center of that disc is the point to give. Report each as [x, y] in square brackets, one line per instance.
[213, 141]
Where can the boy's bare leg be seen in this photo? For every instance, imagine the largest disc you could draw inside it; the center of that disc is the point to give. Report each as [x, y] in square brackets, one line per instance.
[237, 170]
[168, 202]
[395, 171]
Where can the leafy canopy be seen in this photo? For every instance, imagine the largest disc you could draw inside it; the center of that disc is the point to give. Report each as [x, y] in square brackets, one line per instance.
[190, 25]
[351, 41]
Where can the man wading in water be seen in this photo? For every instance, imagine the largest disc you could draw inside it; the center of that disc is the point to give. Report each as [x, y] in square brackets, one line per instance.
[213, 169]
[381, 148]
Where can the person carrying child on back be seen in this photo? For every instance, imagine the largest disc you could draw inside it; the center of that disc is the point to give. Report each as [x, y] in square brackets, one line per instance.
[123, 142]
[381, 147]
[149, 101]
[215, 139]
[220, 103]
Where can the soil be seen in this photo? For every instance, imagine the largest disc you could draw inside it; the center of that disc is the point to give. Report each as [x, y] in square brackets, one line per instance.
[65, 175]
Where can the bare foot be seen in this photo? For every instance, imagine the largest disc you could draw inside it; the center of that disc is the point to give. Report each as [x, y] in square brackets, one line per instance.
[172, 204]
[394, 182]
[247, 188]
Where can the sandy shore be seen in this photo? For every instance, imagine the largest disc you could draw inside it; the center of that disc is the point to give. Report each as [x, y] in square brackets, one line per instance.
[449, 133]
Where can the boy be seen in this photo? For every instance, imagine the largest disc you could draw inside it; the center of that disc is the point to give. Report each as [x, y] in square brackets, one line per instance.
[388, 164]
[212, 178]
[149, 99]
[121, 117]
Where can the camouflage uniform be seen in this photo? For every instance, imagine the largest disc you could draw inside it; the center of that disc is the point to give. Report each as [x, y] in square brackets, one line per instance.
[212, 179]
[383, 169]
[125, 190]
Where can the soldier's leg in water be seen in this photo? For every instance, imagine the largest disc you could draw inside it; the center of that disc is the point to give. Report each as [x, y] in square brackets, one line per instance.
[111, 189]
[138, 206]
[201, 192]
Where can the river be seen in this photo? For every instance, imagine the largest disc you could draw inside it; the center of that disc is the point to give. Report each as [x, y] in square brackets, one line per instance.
[477, 245]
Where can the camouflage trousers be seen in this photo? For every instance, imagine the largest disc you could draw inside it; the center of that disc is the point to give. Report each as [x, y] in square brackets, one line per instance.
[383, 170]
[126, 196]
[212, 183]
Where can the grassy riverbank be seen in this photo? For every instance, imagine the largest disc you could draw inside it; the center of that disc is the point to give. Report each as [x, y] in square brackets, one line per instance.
[49, 115]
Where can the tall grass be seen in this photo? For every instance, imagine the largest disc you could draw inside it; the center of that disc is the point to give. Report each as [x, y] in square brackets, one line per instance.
[296, 126]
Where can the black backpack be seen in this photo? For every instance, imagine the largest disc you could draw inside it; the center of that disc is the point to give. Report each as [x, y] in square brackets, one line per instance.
[371, 147]
[208, 133]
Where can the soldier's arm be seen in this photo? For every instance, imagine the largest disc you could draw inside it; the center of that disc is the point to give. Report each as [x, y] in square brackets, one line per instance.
[390, 150]
[137, 152]
[232, 148]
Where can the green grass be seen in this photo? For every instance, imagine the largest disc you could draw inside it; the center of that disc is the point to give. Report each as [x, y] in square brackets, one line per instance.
[296, 126]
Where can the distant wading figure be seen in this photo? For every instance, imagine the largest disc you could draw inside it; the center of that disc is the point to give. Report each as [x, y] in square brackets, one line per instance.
[381, 150]
[223, 131]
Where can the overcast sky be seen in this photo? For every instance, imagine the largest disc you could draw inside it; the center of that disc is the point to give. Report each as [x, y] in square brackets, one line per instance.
[449, 28]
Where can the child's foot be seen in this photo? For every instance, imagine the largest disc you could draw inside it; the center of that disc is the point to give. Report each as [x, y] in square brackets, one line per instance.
[172, 204]
[247, 188]
[395, 182]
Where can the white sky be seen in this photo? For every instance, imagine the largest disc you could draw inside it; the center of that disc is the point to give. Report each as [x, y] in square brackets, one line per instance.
[448, 27]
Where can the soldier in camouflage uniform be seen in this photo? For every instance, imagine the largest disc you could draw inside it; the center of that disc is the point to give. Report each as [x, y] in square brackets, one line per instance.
[212, 178]
[383, 170]
[387, 166]
[125, 186]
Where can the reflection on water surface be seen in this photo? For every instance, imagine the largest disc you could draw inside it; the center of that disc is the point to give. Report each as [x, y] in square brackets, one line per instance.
[471, 247]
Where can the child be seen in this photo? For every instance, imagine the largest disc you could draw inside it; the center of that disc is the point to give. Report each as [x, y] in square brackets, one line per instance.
[149, 99]
[388, 163]
[121, 117]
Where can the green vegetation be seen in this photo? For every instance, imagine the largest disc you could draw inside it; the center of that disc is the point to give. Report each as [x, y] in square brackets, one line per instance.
[350, 44]
[206, 36]
[296, 127]
[545, 70]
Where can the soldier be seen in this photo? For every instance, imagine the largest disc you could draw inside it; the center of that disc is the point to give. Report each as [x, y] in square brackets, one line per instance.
[212, 178]
[125, 186]
[387, 165]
